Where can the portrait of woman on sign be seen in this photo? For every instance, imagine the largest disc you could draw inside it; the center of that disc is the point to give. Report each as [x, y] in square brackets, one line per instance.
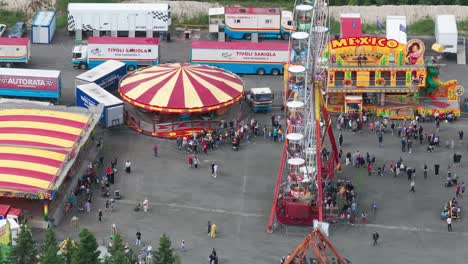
[414, 52]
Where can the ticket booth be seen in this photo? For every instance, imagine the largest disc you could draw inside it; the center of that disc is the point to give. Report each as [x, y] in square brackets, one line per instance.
[353, 103]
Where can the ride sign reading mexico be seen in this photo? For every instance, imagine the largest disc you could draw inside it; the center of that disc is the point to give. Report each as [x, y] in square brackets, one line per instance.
[28, 83]
[364, 41]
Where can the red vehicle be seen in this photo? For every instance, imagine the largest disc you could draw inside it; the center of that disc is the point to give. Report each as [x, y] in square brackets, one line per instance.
[6, 211]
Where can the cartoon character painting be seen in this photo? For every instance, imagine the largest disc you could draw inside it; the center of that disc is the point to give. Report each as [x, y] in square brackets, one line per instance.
[415, 52]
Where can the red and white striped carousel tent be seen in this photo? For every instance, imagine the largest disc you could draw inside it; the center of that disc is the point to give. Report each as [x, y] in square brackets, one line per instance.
[181, 88]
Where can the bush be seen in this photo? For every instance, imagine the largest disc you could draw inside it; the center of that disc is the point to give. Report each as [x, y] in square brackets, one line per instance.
[9, 18]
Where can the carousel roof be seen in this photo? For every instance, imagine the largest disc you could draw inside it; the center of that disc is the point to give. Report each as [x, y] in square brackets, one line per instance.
[181, 88]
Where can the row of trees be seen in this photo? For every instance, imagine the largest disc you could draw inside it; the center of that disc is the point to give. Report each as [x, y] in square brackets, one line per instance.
[398, 2]
[83, 252]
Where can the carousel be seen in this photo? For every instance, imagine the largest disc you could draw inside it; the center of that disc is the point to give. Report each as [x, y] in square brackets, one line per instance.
[173, 100]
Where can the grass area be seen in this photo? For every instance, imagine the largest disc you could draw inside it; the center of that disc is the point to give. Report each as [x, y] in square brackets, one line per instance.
[272, 3]
[9, 18]
[372, 28]
[463, 27]
[200, 20]
[423, 27]
[334, 26]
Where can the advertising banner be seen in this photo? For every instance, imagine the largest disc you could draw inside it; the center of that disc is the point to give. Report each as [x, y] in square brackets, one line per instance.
[28, 83]
[246, 56]
[123, 52]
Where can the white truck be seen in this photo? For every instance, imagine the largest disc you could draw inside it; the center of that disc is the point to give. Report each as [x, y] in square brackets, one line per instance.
[446, 33]
[242, 22]
[107, 75]
[91, 95]
[260, 99]
[14, 51]
[119, 17]
[134, 52]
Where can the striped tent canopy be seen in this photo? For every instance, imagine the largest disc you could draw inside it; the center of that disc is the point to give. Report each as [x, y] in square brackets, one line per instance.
[34, 147]
[181, 88]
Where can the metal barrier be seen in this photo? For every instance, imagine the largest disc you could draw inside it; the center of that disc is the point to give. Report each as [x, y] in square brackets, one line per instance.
[170, 129]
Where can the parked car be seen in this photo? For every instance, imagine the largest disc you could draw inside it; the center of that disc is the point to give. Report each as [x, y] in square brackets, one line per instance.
[3, 28]
[18, 30]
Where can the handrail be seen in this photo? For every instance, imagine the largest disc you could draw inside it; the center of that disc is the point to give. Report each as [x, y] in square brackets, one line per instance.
[276, 194]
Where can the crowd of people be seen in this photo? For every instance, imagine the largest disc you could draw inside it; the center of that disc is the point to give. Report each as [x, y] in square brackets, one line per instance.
[409, 132]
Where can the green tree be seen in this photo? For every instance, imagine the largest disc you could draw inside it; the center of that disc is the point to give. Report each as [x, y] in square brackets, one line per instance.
[353, 2]
[50, 250]
[118, 252]
[68, 250]
[24, 252]
[165, 253]
[87, 251]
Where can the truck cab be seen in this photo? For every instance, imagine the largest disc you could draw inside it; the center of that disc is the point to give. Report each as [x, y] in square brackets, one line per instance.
[260, 99]
[80, 57]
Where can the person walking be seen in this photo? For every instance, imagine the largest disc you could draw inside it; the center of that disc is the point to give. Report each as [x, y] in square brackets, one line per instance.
[107, 205]
[375, 238]
[436, 169]
[457, 190]
[213, 231]
[182, 246]
[215, 170]
[155, 150]
[410, 146]
[463, 189]
[425, 171]
[369, 169]
[209, 228]
[128, 166]
[449, 224]
[403, 144]
[412, 184]
[196, 161]
[100, 215]
[460, 136]
[138, 238]
[145, 205]
[340, 140]
[380, 138]
[190, 161]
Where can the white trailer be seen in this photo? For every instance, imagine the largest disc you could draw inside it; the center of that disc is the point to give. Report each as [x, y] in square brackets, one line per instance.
[91, 95]
[396, 28]
[43, 27]
[119, 17]
[14, 51]
[446, 32]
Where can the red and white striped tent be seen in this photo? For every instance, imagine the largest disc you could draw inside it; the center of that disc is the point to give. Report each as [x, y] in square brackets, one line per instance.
[181, 88]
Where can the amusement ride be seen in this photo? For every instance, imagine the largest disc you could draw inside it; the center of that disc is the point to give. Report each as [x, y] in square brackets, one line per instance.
[309, 158]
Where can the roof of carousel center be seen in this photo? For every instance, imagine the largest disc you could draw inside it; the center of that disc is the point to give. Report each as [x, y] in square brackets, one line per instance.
[181, 88]
[34, 148]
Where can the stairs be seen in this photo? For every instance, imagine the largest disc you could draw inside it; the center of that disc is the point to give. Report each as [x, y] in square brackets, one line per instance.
[254, 37]
[221, 37]
[149, 33]
[78, 35]
[461, 51]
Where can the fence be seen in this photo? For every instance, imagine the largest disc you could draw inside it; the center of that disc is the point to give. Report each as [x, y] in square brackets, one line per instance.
[170, 129]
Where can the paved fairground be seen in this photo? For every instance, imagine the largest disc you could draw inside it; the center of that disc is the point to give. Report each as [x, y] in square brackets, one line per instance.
[238, 201]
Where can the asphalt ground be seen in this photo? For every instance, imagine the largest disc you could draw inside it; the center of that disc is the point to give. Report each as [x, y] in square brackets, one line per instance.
[182, 200]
